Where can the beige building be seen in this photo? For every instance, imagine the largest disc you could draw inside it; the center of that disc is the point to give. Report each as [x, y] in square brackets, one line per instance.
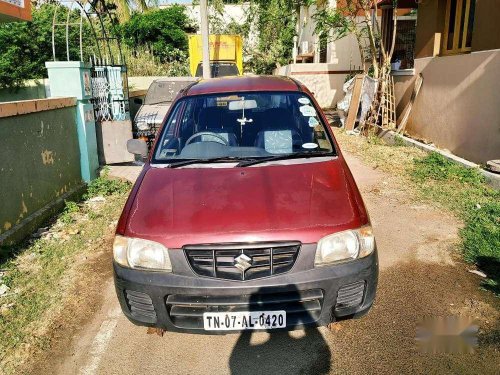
[322, 67]
[457, 51]
[454, 44]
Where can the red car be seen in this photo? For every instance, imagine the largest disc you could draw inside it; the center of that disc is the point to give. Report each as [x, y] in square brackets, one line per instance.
[245, 216]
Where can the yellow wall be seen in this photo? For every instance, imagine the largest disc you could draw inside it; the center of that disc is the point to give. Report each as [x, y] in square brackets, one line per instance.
[222, 48]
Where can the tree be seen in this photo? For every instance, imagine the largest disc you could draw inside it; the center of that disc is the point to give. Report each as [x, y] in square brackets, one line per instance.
[124, 8]
[26, 46]
[357, 17]
[162, 31]
[275, 22]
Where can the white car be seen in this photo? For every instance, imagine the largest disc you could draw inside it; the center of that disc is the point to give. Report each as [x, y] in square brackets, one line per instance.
[156, 104]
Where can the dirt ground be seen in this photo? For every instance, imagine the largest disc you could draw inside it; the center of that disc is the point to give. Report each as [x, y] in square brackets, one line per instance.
[421, 274]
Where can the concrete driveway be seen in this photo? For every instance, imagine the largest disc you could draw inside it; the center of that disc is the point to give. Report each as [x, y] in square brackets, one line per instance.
[420, 276]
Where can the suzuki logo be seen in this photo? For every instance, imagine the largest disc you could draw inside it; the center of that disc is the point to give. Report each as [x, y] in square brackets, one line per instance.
[243, 262]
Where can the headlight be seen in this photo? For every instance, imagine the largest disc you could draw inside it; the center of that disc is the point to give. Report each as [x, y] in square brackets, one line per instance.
[142, 125]
[139, 253]
[350, 244]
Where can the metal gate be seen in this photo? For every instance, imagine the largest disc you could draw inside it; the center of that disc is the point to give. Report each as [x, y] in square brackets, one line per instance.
[109, 92]
[109, 71]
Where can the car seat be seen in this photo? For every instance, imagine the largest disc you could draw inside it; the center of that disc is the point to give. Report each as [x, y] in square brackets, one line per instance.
[211, 119]
[280, 135]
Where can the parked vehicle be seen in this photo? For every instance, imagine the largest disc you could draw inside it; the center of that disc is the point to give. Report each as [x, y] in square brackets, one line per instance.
[155, 106]
[226, 55]
[245, 216]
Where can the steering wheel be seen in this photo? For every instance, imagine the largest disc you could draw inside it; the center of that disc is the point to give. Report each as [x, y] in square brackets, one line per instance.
[217, 136]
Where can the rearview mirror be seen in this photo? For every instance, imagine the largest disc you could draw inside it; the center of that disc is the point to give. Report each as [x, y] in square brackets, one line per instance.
[138, 101]
[242, 104]
[137, 147]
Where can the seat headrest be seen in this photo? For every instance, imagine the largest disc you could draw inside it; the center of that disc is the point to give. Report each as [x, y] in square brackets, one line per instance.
[279, 118]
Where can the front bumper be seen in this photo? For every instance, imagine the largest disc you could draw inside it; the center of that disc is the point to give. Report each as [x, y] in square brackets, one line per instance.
[310, 296]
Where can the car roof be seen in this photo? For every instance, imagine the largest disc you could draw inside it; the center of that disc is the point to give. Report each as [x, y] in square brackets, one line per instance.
[176, 79]
[242, 83]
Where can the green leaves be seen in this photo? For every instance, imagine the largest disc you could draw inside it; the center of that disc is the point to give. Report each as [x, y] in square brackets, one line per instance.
[331, 21]
[162, 30]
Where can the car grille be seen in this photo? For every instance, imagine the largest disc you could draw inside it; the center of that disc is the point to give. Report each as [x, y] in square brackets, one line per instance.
[350, 295]
[141, 306]
[302, 307]
[242, 262]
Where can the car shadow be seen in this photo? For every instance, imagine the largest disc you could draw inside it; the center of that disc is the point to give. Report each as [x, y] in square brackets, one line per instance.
[301, 352]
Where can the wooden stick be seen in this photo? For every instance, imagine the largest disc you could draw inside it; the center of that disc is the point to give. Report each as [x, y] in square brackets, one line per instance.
[406, 112]
[355, 100]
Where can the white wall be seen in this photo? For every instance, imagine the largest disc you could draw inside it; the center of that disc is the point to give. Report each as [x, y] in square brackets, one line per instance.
[326, 79]
[326, 87]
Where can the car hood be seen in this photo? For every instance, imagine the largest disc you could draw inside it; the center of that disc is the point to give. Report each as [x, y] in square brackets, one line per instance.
[301, 202]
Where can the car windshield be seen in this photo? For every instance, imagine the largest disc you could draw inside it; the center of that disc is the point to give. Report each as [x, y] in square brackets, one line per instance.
[163, 91]
[243, 126]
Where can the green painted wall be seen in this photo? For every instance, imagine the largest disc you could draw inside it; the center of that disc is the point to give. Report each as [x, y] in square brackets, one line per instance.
[39, 162]
[34, 89]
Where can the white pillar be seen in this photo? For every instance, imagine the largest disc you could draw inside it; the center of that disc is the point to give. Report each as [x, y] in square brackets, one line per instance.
[205, 39]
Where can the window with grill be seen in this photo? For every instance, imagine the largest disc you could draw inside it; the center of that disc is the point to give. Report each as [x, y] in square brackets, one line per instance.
[459, 24]
[404, 48]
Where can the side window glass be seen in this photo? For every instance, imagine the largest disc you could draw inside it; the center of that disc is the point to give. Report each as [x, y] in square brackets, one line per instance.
[167, 145]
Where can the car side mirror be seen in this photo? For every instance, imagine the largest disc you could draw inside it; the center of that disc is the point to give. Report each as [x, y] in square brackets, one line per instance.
[138, 101]
[137, 147]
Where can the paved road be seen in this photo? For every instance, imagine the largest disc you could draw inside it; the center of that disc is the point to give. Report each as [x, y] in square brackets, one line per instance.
[419, 276]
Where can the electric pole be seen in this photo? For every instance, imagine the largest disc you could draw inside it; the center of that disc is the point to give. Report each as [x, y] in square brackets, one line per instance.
[205, 39]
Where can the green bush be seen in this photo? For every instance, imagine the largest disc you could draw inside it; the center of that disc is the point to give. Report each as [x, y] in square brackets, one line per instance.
[104, 185]
[276, 21]
[141, 62]
[163, 31]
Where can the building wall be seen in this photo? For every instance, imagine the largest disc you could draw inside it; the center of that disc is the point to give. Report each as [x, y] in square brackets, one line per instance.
[431, 22]
[15, 10]
[430, 26]
[458, 106]
[486, 33]
[325, 81]
[32, 89]
[40, 158]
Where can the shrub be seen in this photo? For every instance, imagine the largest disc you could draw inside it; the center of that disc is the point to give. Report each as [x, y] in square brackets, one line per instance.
[104, 185]
[70, 208]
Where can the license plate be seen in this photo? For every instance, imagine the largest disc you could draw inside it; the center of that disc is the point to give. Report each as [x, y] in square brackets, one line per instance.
[219, 321]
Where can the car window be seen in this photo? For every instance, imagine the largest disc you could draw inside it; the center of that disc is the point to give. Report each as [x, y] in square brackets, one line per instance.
[219, 69]
[243, 125]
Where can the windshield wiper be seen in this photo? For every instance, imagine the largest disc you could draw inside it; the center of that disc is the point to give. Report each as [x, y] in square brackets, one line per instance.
[296, 155]
[182, 163]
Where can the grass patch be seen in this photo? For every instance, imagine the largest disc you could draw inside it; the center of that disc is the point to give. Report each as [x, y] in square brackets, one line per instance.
[464, 191]
[38, 272]
[442, 182]
[104, 185]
